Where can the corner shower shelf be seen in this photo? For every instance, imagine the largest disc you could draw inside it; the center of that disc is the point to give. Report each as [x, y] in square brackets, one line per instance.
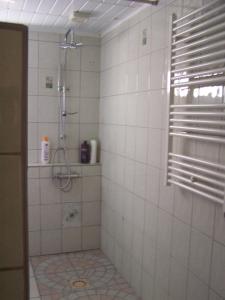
[197, 61]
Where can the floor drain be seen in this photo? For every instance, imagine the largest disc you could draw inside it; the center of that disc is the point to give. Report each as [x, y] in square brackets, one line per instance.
[79, 284]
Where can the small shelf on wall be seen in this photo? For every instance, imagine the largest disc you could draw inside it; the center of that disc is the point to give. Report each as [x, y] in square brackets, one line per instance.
[196, 63]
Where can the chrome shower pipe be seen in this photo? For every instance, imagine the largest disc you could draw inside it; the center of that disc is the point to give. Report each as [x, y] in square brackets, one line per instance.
[62, 102]
[71, 32]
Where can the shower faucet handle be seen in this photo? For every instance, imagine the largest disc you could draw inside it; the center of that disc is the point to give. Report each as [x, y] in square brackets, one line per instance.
[65, 113]
[72, 113]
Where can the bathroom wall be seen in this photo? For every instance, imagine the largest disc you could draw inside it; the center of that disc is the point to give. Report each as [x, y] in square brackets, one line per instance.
[168, 243]
[62, 221]
[83, 96]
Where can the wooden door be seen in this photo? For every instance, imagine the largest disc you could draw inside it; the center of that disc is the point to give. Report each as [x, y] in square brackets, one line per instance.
[13, 162]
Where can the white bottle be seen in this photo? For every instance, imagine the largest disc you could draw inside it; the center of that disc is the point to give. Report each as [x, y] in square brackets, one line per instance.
[45, 150]
[93, 156]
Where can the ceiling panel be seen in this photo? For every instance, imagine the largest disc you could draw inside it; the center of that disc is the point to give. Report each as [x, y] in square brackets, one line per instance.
[54, 15]
[49, 21]
[30, 5]
[45, 6]
[38, 19]
[17, 5]
[25, 17]
[13, 15]
[59, 6]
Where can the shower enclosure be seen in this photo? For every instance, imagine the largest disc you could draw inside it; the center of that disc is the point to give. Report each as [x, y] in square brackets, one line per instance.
[66, 218]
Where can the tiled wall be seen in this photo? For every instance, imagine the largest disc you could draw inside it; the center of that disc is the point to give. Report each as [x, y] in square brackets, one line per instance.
[169, 244]
[64, 221]
[83, 95]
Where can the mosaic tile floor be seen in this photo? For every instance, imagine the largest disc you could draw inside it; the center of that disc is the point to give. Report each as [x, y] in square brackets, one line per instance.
[87, 275]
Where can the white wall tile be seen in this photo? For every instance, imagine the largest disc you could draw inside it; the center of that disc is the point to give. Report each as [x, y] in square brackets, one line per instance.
[71, 239]
[178, 279]
[32, 135]
[142, 109]
[133, 48]
[130, 142]
[34, 218]
[156, 108]
[91, 213]
[219, 225]
[154, 146]
[47, 109]
[34, 243]
[144, 73]
[89, 84]
[89, 110]
[48, 55]
[203, 215]
[141, 144]
[164, 231]
[75, 193]
[33, 54]
[32, 81]
[157, 73]
[49, 194]
[162, 272]
[183, 205]
[73, 81]
[90, 58]
[214, 296]
[166, 195]
[149, 255]
[153, 181]
[218, 270]
[159, 30]
[51, 216]
[90, 237]
[140, 180]
[74, 59]
[136, 273]
[91, 189]
[196, 289]
[32, 109]
[33, 191]
[138, 213]
[51, 241]
[71, 215]
[180, 242]
[200, 253]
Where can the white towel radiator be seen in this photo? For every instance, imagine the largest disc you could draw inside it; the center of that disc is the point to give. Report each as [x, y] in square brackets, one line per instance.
[197, 61]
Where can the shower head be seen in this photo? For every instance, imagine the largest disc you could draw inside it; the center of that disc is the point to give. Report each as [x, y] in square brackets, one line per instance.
[71, 44]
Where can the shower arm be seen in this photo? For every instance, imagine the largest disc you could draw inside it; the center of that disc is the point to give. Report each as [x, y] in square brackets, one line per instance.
[69, 31]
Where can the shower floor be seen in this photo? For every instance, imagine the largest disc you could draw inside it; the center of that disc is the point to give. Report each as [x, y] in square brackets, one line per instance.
[87, 275]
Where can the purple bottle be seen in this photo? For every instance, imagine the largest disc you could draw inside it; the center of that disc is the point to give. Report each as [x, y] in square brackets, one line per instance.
[85, 153]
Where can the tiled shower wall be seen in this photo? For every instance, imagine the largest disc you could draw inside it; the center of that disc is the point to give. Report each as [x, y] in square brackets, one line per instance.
[82, 97]
[169, 244]
[62, 221]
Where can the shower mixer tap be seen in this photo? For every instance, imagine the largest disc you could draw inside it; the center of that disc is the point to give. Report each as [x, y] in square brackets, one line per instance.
[65, 113]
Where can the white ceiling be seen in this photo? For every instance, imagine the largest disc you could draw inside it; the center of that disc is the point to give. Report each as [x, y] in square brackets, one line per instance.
[53, 15]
